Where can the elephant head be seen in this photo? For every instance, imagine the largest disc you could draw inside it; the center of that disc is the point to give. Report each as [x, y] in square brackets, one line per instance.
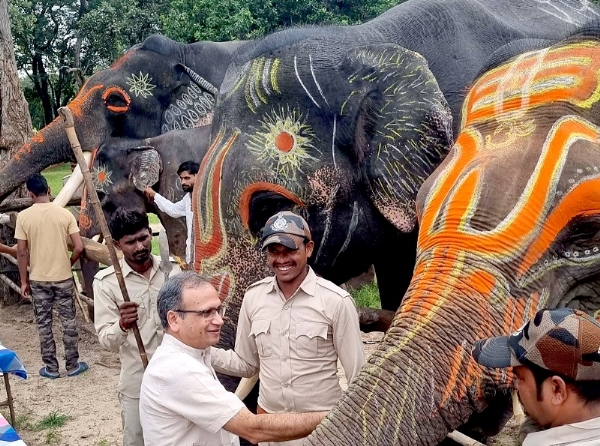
[346, 140]
[122, 168]
[157, 86]
[508, 224]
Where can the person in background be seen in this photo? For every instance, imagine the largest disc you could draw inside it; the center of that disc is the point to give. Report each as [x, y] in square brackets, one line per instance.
[41, 232]
[187, 172]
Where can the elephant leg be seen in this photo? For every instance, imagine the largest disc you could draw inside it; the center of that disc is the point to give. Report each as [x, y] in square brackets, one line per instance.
[394, 268]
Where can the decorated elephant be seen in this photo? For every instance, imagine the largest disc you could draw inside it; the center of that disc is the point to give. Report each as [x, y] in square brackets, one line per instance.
[157, 86]
[289, 101]
[122, 167]
[508, 224]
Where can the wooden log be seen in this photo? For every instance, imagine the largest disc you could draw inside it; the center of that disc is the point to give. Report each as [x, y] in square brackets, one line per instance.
[95, 202]
[98, 252]
[11, 284]
[18, 204]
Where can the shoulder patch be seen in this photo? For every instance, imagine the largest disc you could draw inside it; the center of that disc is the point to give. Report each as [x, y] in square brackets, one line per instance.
[332, 287]
[105, 272]
[260, 282]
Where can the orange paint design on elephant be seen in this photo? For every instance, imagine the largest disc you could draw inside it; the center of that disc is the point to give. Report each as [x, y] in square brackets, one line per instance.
[253, 188]
[209, 232]
[38, 138]
[449, 247]
[83, 98]
[569, 74]
[120, 92]
[122, 60]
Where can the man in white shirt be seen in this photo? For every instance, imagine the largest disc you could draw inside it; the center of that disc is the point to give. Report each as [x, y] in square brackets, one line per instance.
[181, 401]
[556, 362]
[183, 208]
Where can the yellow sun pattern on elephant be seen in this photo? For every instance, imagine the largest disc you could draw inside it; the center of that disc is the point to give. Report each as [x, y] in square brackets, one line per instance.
[283, 143]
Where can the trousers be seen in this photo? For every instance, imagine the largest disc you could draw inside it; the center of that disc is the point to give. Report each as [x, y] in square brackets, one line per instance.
[44, 296]
[130, 418]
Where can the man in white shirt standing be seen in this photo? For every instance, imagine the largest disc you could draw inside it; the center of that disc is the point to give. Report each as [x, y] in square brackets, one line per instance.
[181, 401]
[556, 362]
[187, 172]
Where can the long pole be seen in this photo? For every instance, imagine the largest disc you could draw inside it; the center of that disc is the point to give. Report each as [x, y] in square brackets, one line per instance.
[87, 178]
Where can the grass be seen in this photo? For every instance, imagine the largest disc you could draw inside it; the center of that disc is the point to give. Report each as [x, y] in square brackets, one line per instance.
[103, 442]
[54, 176]
[52, 437]
[52, 421]
[367, 296]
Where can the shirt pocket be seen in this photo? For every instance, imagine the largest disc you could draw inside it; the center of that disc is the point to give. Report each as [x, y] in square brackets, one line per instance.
[141, 309]
[261, 330]
[308, 335]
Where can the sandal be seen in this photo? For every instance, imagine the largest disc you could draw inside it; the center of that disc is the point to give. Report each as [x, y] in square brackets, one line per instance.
[81, 367]
[48, 374]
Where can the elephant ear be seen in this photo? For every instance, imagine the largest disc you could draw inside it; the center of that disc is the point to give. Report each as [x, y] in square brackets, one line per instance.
[402, 126]
[192, 103]
[145, 167]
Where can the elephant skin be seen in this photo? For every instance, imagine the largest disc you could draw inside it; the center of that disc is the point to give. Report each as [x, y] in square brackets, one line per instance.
[157, 86]
[120, 164]
[508, 224]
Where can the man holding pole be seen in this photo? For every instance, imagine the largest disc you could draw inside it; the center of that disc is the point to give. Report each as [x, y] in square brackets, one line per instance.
[114, 318]
[41, 234]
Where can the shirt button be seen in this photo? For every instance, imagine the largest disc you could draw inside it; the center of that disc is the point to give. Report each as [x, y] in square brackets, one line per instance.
[285, 307]
[286, 385]
[284, 359]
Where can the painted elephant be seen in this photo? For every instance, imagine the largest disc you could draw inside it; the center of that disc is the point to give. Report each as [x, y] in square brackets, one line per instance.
[157, 86]
[349, 154]
[265, 92]
[122, 167]
[508, 224]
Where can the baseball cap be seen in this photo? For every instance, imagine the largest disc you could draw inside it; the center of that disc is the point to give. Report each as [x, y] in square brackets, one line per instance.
[278, 228]
[563, 341]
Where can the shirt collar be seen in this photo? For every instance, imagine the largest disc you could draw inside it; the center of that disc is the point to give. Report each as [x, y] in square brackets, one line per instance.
[201, 354]
[126, 269]
[565, 434]
[308, 285]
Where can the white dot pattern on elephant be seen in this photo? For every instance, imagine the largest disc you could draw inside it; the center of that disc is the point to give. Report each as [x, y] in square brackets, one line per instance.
[193, 109]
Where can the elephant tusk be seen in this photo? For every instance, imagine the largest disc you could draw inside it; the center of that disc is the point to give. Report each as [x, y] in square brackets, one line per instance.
[245, 387]
[517, 408]
[76, 180]
[200, 81]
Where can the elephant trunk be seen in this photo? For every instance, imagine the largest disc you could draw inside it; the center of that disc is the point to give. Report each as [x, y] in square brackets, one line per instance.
[422, 382]
[47, 147]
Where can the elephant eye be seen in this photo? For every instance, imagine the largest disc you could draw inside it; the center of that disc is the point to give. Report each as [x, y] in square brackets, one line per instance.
[116, 99]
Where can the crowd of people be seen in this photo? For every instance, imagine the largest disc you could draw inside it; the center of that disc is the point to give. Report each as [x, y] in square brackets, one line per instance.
[293, 327]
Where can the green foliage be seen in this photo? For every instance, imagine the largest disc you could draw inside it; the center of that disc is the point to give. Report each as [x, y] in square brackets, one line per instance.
[367, 296]
[103, 442]
[52, 437]
[194, 20]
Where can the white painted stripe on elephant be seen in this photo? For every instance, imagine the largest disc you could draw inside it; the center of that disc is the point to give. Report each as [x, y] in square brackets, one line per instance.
[557, 11]
[333, 140]
[312, 71]
[329, 212]
[302, 83]
[266, 76]
[353, 223]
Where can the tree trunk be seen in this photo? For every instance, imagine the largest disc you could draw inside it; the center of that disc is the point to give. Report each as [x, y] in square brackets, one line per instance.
[15, 128]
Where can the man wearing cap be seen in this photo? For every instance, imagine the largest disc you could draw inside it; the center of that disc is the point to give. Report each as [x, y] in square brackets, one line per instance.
[293, 327]
[556, 362]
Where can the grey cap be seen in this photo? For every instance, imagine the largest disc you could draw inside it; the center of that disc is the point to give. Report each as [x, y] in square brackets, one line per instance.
[280, 226]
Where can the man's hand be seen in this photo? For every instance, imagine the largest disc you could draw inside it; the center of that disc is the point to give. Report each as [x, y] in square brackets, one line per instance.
[26, 291]
[149, 192]
[128, 315]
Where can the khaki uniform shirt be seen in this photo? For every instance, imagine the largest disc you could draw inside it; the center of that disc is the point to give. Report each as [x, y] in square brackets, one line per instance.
[584, 433]
[182, 403]
[295, 344]
[107, 298]
[46, 227]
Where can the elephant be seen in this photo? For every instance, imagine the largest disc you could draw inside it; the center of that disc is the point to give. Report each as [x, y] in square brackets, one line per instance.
[122, 167]
[508, 225]
[157, 86]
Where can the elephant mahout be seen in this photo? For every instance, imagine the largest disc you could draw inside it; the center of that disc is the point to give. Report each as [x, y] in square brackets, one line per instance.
[508, 224]
[122, 167]
[157, 86]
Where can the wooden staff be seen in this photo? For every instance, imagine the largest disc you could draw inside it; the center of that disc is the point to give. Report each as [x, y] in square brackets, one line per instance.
[87, 178]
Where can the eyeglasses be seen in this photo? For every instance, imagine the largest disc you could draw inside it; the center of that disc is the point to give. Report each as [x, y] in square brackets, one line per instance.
[206, 314]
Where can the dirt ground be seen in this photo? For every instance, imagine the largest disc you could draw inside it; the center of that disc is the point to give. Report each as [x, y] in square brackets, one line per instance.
[89, 401]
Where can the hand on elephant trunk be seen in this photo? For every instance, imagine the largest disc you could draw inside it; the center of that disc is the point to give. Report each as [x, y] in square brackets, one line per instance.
[149, 193]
